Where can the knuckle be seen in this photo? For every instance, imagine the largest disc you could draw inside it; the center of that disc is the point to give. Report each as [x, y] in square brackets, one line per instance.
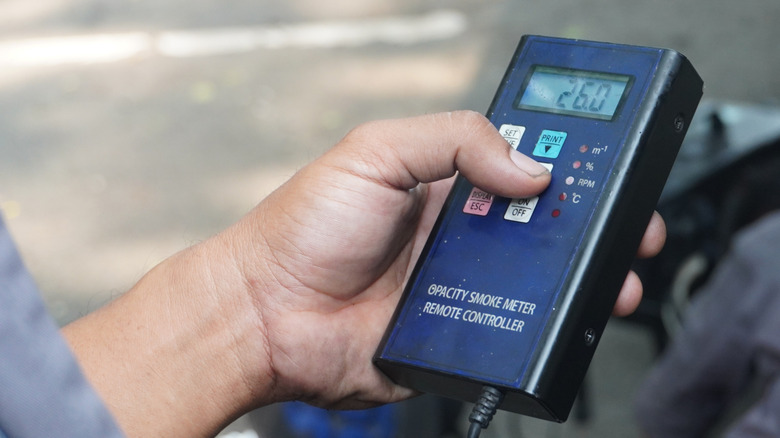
[472, 120]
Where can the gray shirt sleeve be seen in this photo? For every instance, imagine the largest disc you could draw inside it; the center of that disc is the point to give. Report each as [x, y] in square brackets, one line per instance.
[730, 335]
[42, 389]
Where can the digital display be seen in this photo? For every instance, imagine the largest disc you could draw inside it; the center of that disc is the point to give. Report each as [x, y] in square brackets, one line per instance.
[573, 92]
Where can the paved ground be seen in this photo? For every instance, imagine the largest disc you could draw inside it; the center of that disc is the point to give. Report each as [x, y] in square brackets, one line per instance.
[132, 129]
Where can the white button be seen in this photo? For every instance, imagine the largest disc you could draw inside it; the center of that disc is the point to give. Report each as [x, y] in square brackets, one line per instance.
[512, 133]
[521, 209]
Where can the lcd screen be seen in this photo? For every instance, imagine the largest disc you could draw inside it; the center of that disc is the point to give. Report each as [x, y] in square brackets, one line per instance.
[573, 92]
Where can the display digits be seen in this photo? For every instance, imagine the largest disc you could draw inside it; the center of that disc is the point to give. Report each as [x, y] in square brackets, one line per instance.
[579, 97]
[574, 92]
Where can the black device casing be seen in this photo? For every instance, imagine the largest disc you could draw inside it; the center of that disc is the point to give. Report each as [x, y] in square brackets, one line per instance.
[549, 382]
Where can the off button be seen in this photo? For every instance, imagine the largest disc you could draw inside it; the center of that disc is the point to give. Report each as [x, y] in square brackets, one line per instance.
[549, 144]
[520, 210]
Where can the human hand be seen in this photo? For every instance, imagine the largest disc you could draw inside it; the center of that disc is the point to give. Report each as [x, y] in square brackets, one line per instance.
[329, 252]
[291, 301]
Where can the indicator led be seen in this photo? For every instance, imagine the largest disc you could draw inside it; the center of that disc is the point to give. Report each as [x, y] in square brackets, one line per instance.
[556, 213]
[576, 164]
[584, 148]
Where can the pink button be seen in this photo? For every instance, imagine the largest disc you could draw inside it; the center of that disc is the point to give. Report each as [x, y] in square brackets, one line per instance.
[478, 203]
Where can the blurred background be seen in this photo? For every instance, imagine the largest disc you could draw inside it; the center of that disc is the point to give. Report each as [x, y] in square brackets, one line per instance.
[130, 129]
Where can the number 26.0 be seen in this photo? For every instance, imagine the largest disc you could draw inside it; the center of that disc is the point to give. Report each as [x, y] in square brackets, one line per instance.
[580, 97]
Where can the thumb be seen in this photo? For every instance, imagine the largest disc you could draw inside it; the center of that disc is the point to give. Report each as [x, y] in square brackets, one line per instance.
[402, 153]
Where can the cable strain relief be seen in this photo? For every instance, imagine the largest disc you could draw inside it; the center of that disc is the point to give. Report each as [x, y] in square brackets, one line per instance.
[486, 406]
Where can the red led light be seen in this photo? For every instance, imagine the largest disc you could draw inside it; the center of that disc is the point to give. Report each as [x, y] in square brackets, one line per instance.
[576, 164]
[556, 213]
[562, 196]
[584, 148]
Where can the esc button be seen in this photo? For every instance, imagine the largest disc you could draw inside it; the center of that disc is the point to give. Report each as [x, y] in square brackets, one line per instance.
[478, 203]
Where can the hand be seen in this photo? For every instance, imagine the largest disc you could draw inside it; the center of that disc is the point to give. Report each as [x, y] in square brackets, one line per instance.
[340, 239]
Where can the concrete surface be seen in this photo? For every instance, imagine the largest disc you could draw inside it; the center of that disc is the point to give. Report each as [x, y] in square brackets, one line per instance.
[131, 129]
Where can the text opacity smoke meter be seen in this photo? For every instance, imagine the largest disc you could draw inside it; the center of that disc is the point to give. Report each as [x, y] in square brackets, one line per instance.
[515, 293]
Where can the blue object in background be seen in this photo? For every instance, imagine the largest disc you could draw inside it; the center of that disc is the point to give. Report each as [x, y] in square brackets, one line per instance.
[305, 421]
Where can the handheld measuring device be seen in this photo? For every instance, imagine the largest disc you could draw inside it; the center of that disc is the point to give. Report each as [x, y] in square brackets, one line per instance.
[514, 294]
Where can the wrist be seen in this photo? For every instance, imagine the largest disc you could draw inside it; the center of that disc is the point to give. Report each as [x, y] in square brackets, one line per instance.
[183, 352]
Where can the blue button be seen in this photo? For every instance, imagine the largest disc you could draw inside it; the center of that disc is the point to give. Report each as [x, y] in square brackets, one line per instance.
[549, 144]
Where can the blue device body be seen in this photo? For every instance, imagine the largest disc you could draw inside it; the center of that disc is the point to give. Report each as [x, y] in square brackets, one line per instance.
[516, 293]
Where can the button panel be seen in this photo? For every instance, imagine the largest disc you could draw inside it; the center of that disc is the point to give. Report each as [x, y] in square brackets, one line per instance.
[577, 172]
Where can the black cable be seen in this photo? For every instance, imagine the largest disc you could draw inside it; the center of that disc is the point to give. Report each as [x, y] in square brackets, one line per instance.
[474, 430]
[483, 410]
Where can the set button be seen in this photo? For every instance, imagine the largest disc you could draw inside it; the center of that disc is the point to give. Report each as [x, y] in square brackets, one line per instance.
[512, 134]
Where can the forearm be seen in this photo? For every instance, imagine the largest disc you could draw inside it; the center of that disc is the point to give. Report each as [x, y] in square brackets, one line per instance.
[182, 353]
